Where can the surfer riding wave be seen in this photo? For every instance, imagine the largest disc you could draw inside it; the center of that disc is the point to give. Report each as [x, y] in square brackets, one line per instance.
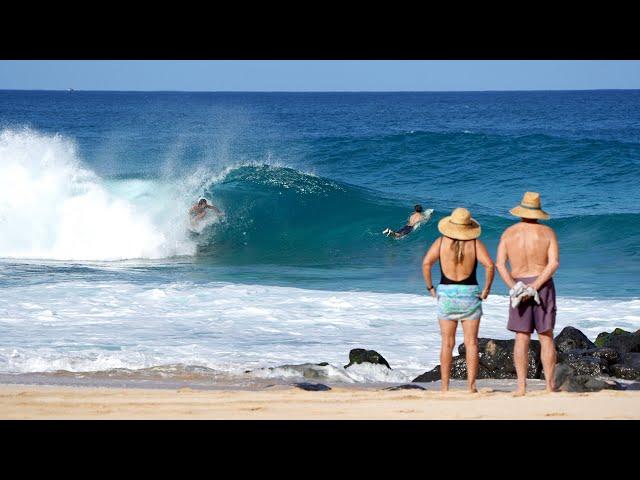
[199, 210]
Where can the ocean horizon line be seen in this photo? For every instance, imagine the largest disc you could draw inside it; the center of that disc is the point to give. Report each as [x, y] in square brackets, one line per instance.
[72, 89]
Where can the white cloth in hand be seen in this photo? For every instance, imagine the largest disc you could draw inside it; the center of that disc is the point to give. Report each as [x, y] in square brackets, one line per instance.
[520, 291]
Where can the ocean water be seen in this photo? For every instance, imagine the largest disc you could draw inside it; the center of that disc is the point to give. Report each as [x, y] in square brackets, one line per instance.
[100, 273]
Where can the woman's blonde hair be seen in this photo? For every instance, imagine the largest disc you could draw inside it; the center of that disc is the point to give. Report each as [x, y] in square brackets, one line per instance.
[458, 246]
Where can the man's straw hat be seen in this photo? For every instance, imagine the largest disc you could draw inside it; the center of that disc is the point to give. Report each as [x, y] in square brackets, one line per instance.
[459, 225]
[530, 207]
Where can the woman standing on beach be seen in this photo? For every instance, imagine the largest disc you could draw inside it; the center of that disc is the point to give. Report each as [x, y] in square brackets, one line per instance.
[459, 298]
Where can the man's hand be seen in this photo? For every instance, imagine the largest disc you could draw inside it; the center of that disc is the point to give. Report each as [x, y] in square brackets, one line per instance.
[433, 292]
[485, 294]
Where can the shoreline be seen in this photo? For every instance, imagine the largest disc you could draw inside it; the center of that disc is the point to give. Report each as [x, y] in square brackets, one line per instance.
[282, 402]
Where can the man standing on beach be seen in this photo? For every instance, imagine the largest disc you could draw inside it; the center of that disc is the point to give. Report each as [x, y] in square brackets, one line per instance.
[532, 251]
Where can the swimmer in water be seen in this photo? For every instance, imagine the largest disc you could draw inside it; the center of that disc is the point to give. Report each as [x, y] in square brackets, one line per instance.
[418, 216]
[199, 210]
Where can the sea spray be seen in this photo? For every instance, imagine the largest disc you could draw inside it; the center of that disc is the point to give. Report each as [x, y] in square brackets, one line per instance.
[54, 207]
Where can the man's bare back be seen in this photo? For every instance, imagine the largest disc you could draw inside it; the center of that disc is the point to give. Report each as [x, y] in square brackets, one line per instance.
[415, 219]
[527, 246]
[532, 251]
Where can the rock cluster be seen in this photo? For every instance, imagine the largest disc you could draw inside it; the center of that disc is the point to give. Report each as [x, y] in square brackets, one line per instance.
[582, 364]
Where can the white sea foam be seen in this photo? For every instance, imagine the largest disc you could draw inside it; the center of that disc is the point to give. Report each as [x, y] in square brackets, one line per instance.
[54, 207]
[83, 326]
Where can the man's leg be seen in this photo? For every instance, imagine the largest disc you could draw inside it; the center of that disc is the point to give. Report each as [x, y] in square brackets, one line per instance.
[521, 360]
[470, 328]
[448, 332]
[548, 357]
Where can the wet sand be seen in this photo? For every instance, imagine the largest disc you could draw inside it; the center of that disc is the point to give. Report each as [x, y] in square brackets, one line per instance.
[286, 402]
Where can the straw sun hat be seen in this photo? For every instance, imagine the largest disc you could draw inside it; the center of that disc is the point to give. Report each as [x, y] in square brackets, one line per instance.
[459, 225]
[530, 207]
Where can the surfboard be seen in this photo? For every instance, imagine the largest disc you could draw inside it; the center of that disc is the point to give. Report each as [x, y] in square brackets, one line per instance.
[426, 216]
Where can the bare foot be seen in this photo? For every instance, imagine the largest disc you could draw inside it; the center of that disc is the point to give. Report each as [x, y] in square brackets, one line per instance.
[521, 392]
[473, 390]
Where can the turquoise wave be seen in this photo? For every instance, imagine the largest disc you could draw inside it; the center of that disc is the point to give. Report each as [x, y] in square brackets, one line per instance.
[278, 215]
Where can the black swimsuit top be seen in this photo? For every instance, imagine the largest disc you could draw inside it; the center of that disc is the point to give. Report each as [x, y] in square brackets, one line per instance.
[470, 280]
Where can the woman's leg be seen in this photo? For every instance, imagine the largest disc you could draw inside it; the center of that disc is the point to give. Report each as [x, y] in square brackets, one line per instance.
[448, 332]
[470, 328]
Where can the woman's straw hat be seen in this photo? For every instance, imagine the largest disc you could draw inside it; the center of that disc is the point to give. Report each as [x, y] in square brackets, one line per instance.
[530, 207]
[459, 225]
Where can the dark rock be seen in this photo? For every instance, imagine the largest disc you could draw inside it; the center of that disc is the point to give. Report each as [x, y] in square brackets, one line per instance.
[622, 341]
[482, 344]
[312, 387]
[603, 337]
[496, 358]
[632, 359]
[562, 373]
[629, 369]
[590, 366]
[571, 338]
[633, 386]
[609, 355]
[585, 383]
[459, 368]
[597, 384]
[360, 355]
[405, 387]
[322, 364]
[567, 380]
[430, 376]
[458, 372]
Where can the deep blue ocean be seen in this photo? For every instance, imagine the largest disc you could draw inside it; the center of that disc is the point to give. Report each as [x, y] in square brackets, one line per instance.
[95, 188]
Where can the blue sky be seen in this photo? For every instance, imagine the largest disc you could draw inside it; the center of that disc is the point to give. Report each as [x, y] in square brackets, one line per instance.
[324, 75]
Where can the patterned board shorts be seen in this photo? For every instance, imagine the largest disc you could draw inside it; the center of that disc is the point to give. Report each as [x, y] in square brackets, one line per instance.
[459, 302]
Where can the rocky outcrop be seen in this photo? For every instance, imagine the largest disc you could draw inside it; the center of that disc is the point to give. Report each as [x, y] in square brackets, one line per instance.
[582, 364]
[571, 338]
[495, 361]
[569, 380]
[620, 340]
[629, 369]
[496, 358]
[360, 355]
[585, 365]
[432, 375]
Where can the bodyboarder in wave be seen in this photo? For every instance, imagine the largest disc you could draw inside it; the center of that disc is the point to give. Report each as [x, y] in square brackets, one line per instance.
[199, 210]
[417, 217]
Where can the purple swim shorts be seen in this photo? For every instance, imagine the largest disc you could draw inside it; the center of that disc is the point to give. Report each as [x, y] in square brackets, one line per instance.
[529, 314]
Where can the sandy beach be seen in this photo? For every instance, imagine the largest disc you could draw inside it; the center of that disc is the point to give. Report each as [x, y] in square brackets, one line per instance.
[55, 402]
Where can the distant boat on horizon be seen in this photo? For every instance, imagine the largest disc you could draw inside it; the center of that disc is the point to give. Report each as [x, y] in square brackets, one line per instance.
[71, 90]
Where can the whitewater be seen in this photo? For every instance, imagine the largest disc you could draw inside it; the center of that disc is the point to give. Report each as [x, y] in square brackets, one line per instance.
[232, 328]
[52, 207]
